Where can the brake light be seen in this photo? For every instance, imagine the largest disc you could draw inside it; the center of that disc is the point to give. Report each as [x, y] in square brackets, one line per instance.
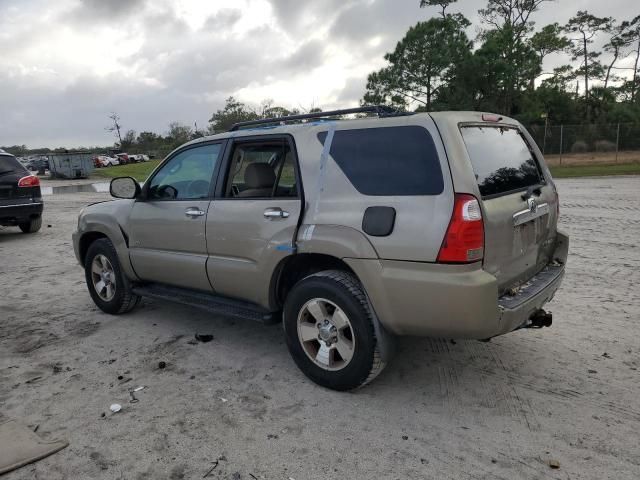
[29, 181]
[487, 117]
[464, 240]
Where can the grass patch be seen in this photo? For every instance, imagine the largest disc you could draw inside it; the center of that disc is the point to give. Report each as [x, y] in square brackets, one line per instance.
[139, 171]
[568, 171]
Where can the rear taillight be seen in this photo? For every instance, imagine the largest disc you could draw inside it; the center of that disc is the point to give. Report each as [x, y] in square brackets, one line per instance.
[464, 240]
[29, 181]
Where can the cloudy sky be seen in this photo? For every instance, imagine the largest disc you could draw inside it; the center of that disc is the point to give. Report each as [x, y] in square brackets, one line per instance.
[65, 65]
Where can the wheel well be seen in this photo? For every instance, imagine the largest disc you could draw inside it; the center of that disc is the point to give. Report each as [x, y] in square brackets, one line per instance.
[85, 242]
[296, 267]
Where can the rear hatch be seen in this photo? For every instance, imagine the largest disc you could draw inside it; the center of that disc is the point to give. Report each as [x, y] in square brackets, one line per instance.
[519, 204]
[11, 171]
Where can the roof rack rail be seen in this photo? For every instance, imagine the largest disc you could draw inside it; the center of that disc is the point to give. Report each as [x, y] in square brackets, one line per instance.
[380, 110]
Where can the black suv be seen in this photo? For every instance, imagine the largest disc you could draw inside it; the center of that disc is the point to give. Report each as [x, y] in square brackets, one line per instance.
[20, 197]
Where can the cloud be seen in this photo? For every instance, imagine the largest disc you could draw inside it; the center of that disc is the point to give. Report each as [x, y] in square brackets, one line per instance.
[106, 10]
[66, 64]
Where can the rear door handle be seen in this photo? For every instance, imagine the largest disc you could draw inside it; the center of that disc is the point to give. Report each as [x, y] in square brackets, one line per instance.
[194, 212]
[276, 212]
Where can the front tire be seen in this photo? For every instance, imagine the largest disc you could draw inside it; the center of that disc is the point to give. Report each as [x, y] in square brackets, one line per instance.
[329, 331]
[31, 226]
[108, 287]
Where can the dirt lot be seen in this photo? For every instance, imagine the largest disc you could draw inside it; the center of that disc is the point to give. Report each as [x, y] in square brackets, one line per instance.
[442, 410]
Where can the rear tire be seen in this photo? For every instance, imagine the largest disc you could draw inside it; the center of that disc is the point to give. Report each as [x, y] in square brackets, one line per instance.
[108, 287]
[345, 354]
[31, 226]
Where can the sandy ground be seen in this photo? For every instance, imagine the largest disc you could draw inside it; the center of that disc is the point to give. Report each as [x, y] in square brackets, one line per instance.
[441, 410]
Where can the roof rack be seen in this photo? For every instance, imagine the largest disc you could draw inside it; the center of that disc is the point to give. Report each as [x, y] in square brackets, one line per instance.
[380, 110]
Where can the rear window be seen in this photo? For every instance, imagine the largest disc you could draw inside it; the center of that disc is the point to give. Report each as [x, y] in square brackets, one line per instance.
[9, 164]
[388, 161]
[501, 159]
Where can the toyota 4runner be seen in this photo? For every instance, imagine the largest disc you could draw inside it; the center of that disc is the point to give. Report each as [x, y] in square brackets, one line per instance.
[349, 231]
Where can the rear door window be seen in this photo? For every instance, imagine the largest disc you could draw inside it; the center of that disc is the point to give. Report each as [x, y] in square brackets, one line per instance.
[502, 160]
[388, 161]
[9, 164]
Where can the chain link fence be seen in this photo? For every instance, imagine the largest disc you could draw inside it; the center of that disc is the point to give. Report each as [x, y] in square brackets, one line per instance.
[604, 143]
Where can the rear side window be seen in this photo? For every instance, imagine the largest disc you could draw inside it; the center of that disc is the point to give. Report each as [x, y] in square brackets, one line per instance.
[388, 161]
[9, 164]
[501, 160]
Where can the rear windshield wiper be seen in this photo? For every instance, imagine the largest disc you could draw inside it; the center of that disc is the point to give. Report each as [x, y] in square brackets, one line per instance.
[4, 172]
[537, 189]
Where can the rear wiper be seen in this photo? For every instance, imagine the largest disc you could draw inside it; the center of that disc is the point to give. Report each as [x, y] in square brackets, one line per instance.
[4, 172]
[537, 189]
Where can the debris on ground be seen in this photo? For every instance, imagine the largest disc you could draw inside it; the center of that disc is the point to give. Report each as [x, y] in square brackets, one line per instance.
[115, 408]
[606, 355]
[221, 458]
[204, 338]
[555, 464]
[592, 371]
[162, 365]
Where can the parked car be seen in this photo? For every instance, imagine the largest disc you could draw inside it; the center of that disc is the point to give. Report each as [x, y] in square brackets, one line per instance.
[105, 161]
[123, 158]
[37, 164]
[137, 158]
[21, 202]
[352, 232]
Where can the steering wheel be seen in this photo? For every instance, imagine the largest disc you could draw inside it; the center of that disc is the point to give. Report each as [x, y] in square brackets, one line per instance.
[197, 189]
[166, 191]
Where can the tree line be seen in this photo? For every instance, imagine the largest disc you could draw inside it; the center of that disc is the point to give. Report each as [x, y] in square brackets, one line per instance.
[436, 66]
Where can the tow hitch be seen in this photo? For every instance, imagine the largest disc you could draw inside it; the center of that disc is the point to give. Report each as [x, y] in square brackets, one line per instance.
[540, 319]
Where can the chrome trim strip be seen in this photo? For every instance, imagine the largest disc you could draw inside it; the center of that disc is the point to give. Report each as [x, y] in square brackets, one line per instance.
[22, 205]
[527, 215]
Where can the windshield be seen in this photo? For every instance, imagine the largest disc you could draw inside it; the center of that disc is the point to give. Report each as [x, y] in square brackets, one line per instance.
[501, 159]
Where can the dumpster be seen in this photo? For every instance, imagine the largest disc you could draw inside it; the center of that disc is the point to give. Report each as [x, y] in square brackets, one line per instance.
[70, 165]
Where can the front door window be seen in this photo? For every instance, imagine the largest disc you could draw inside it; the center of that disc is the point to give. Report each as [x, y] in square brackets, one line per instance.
[187, 176]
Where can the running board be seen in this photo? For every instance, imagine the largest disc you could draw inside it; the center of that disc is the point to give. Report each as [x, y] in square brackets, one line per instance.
[206, 301]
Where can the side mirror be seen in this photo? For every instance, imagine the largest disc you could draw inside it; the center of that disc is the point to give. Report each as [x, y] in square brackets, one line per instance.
[124, 187]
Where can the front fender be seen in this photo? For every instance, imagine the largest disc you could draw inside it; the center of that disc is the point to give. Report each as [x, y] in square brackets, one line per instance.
[108, 219]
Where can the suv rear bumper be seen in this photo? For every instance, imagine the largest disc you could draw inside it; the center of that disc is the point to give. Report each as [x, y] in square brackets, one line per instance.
[453, 301]
[18, 212]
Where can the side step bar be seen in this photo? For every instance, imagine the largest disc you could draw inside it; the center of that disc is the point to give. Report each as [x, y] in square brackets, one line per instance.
[206, 301]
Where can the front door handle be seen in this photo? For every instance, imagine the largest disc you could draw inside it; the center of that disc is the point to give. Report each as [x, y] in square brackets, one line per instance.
[194, 212]
[275, 213]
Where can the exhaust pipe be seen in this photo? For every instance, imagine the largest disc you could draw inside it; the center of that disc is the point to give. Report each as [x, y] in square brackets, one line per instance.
[540, 319]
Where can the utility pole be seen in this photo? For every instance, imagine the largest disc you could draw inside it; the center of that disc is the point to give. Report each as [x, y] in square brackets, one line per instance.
[617, 142]
[561, 134]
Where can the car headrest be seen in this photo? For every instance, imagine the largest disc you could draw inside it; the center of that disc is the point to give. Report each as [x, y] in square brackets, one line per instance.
[259, 175]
